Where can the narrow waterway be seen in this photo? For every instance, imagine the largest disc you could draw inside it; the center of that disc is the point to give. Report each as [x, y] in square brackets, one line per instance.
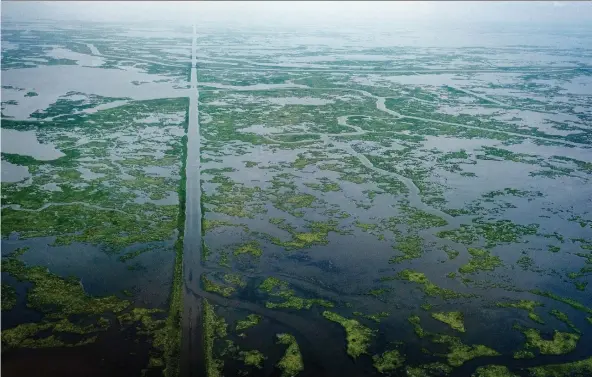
[192, 342]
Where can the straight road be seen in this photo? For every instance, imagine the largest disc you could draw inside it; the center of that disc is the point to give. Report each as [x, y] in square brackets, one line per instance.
[192, 359]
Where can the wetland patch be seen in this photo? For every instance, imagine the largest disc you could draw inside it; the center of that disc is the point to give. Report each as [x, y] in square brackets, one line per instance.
[365, 210]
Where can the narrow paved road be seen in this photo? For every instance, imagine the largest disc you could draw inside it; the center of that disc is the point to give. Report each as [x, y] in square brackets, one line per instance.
[192, 342]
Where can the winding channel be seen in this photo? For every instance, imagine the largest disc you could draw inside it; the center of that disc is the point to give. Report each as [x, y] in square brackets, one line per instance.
[413, 190]
[380, 105]
[414, 193]
[317, 336]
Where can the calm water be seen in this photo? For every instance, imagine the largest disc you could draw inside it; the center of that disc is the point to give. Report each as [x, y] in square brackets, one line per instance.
[173, 170]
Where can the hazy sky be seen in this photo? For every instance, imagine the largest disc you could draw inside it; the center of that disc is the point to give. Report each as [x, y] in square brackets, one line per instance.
[306, 12]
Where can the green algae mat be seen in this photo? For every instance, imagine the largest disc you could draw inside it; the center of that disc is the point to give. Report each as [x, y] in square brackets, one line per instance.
[367, 208]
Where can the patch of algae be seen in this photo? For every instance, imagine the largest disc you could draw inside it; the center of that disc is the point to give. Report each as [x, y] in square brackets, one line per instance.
[111, 230]
[234, 279]
[272, 282]
[253, 358]
[493, 371]
[418, 219]
[452, 254]
[8, 297]
[574, 304]
[209, 225]
[523, 354]
[58, 299]
[410, 246]
[253, 248]
[427, 286]
[319, 231]
[366, 227]
[581, 368]
[459, 352]
[358, 336]
[481, 260]
[210, 286]
[142, 316]
[234, 199]
[527, 305]
[453, 319]
[325, 186]
[250, 321]
[303, 240]
[388, 361]
[250, 164]
[302, 161]
[428, 370]
[373, 317]
[214, 328]
[294, 203]
[561, 343]
[155, 362]
[170, 336]
[416, 322]
[378, 292]
[25, 336]
[426, 306]
[61, 300]
[291, 363]
[494, 233]
[564, 318]
[278, 288]
[295, 302]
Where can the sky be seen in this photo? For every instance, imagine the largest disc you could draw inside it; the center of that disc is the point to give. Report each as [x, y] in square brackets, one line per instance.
[295, 13]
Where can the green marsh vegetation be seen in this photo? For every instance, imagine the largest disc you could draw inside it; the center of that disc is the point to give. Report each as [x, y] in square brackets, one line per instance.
[441, 212]
[453, 319]
[358, 337]
[103, 193]
[279, 289]
[291, 363]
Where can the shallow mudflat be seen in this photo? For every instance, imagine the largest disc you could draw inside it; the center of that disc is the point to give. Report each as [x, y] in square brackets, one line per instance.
[369, 205]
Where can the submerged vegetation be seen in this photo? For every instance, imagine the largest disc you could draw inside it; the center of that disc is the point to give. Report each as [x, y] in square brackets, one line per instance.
[459, 353]
[105, 198]
[253, 358]
[388, 361]
[250, 321]
[401, 195]
[527, 305]
[214, 328]
[453, 319]
[291, 363]
[560, 344]
[429, 288]
[279, 289]
[493, 371]
[358, 336]
[481, 260]
[577, 368]
[8, 297]
[72, 317]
